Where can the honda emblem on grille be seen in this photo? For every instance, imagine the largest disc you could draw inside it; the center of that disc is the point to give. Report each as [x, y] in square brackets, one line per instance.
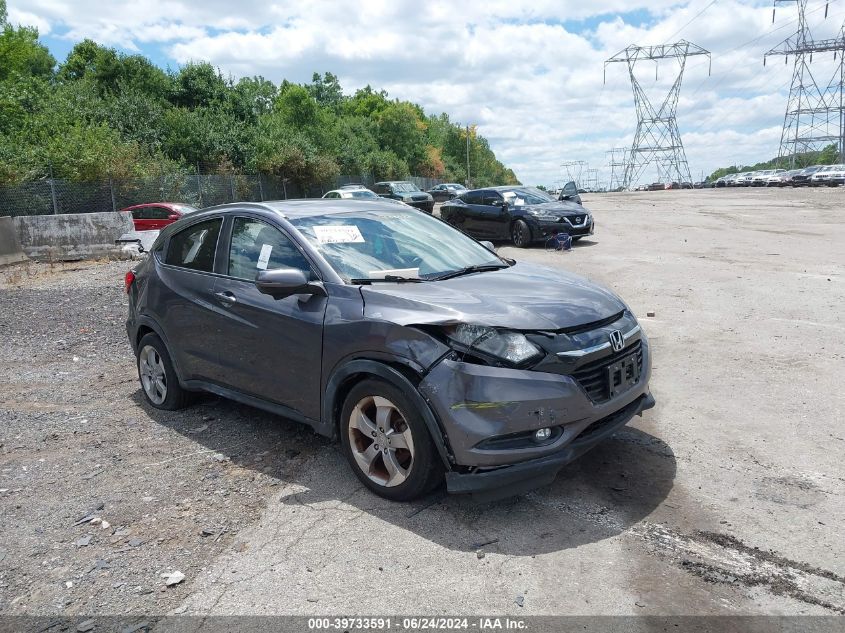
[617, 341]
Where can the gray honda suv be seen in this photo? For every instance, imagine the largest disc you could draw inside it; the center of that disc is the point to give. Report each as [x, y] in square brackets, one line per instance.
[418, 347]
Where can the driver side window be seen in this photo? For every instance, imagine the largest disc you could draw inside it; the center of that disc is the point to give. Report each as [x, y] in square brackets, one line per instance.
[490, 198]
[258, 246]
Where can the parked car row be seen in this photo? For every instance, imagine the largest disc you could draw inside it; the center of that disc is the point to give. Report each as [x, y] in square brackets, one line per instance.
[521, 215]
[398, 190]
[814, 176]
[660, 186]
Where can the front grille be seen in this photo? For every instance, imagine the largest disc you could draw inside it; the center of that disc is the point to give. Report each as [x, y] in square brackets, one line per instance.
[593, 377]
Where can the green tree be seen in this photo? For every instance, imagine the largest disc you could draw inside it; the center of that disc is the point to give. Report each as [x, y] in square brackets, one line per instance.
[22, 54]
[197, 85]
[326, 90]
[402, 132]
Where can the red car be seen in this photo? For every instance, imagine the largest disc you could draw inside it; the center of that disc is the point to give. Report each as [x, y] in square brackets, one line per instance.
[156, 215]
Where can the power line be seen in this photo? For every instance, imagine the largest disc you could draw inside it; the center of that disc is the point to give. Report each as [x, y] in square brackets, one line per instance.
[695, 17]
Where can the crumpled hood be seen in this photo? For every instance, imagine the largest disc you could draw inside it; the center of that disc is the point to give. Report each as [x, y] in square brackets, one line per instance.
[522, 297]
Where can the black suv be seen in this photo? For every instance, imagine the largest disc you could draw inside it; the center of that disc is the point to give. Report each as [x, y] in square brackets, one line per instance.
[419, 348]
[406, 192]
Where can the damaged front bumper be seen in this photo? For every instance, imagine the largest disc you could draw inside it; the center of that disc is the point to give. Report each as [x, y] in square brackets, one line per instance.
[510, 480]
[478, 403]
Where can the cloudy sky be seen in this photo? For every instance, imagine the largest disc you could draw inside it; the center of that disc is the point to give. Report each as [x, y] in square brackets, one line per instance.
[529, 74]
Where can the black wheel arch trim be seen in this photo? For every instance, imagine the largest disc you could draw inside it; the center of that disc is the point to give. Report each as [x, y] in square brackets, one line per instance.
[393, 376]
[146, 321]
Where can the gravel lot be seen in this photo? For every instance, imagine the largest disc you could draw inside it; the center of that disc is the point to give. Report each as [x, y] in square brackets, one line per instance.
[727, 498]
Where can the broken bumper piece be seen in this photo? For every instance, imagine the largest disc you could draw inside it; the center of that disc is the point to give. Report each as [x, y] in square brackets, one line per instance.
[506, 481]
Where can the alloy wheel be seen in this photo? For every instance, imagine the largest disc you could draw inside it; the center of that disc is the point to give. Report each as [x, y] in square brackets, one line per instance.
[519, 236]
[153, 376]
[381, 441]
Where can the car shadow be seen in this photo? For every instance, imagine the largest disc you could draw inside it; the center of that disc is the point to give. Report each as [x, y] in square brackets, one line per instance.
[582, 243]
[614, 486]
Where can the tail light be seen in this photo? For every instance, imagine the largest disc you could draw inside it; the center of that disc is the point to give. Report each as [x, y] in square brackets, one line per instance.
[128, 280]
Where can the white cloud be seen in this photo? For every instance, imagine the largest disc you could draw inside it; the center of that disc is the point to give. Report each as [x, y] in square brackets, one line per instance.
[530, 74]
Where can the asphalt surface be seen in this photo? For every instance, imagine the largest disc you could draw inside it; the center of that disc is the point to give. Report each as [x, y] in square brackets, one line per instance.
[727, 498]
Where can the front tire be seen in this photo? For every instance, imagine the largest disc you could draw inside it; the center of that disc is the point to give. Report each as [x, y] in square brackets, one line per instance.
[386, 442]
[159, 382]
[520, 234]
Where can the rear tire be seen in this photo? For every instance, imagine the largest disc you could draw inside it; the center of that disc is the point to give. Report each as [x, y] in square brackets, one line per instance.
[387, 443]
[159, 382]
[520, 234]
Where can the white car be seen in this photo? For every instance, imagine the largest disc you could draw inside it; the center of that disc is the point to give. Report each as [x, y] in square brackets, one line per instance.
[347, 192]
[743, 179]
[830, 175]
[782, 179]
[357, 192]
[761, 178]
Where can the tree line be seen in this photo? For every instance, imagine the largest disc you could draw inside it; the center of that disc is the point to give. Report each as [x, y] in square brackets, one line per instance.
[105, 114]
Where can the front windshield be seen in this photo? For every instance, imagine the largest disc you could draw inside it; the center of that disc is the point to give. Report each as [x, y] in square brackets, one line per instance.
[362, 194]
[405, 187]
[184, 208]
[377, 243]
[525, 195]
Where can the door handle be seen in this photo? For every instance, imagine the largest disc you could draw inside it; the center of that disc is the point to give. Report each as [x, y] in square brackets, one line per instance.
[226, 298]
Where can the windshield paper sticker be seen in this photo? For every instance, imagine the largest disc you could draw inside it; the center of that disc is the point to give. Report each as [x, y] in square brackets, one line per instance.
[264, 257]
[341, 234]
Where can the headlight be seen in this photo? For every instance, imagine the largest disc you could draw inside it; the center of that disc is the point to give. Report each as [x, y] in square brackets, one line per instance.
[512, 347]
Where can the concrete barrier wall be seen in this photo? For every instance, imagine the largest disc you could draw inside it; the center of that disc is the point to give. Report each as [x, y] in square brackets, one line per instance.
[72, 237]
[10, 246]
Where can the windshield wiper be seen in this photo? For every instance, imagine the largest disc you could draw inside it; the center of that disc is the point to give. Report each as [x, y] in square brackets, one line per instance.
[387, 278]
[478, 268]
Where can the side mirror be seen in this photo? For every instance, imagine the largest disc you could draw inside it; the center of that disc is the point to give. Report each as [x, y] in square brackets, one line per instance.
[284, 282]
[488, 245]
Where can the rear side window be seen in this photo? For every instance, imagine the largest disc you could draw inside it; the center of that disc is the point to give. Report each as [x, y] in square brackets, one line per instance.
[159, 213]
[194, 246]
[258, 246]
[472, 197]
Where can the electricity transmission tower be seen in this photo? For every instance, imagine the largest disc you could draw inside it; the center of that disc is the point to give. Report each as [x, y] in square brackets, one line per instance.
[815, 112]
[574, 168]
[657, 139]
[617, 159]
[591, 182]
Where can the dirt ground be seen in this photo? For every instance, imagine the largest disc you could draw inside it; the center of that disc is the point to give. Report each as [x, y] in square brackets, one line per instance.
[727, 498]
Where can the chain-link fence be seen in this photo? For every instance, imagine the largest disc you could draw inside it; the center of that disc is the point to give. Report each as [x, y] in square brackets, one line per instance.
[53, 196]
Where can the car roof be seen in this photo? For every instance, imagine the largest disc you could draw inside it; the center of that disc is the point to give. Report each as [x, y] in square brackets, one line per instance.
[395, 182]
[158, 204]
[303, 208]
